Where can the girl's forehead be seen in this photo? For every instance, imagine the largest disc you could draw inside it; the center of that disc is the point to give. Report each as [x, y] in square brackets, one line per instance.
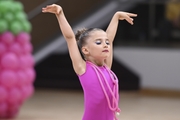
[98, 33]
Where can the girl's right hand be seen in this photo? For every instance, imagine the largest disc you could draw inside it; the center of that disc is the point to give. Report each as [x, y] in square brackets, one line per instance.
[54, 8]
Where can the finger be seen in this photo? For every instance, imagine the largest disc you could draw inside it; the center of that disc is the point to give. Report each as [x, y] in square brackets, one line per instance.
[132, 14]
[130, 20]
[46, 8]
[43, 9]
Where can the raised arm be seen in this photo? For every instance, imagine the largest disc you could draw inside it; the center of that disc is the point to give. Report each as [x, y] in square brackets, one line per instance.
[112, 29]
[77, 61]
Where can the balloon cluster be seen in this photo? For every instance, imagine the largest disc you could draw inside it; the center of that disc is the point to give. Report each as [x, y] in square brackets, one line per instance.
[17, 72]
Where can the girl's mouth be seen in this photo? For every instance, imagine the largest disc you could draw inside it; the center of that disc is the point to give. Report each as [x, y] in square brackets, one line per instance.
[105, 50]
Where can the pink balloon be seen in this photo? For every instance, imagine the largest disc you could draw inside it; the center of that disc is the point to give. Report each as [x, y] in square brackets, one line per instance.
[30, 72]
[12, 114]
[8, 78]
[27, 48]
[30, 60]
[16, 48]
[23, 38]
[3, 48]
[13, 110]
[3, 109]
[22, 78]
[23, 62]
[14, 95]
[27, 91]
[10, 61]
[3, 114]
[7, 38]
[3, 94]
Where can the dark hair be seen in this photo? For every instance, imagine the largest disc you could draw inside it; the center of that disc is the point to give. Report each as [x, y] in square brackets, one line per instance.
[81, 37]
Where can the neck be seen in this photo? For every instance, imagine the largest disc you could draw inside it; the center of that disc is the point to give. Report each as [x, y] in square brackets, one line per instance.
[97, 62]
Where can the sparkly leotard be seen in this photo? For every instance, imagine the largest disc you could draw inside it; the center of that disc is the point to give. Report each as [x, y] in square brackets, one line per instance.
[100, 86]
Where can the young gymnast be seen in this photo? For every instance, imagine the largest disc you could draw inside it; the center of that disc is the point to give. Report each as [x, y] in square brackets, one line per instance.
[91, 52]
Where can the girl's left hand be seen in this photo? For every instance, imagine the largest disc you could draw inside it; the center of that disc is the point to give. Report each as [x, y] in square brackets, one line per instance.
[127, 16]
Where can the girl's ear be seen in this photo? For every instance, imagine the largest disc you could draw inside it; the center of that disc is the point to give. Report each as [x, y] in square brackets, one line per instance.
[85, 50]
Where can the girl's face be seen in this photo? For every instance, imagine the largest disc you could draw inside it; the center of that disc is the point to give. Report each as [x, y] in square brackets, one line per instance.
[98, 45]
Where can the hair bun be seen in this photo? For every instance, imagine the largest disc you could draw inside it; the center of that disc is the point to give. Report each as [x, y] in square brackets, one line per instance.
[79, 33]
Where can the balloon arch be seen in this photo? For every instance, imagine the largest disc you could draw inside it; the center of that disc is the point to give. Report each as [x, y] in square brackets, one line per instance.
[17, 72]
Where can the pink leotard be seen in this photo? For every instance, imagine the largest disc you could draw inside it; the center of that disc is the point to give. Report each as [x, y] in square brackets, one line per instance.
[100, 87]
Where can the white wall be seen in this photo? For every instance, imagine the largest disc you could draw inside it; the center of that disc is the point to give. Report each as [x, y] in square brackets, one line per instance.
[157, 68]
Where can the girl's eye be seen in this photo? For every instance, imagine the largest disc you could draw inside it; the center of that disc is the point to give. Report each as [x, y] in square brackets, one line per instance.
[98, 42]
[107, 42]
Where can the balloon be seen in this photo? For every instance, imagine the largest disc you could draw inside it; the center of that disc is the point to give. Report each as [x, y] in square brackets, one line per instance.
[30, 75]
[18, 6]
[26, 26]
[15, 27]
[16, 48]
[14, 95]
[13, 110]
[3, 93]
[26, 61]
[22, 78]
[3, 109]
[8, 78]
[4, 6]
[9, 16]
[20, 16]
[7, 38]
[3, 25]
[9, 61]
[16, 61]
[30, 60]
[27, 48]
[23, 38]
[23, 62]
[27, 91]
[11, 7]
[3, 49]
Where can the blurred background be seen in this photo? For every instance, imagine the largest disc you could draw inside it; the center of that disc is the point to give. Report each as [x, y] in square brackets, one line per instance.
[146, 58]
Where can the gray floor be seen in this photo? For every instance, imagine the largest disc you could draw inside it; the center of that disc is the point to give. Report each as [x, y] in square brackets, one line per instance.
[68, 105]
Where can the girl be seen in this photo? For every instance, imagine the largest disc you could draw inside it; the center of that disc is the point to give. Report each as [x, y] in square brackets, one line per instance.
[91, 54]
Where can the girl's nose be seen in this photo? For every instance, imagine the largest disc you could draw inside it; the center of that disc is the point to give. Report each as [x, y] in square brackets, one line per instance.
[105, 45]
